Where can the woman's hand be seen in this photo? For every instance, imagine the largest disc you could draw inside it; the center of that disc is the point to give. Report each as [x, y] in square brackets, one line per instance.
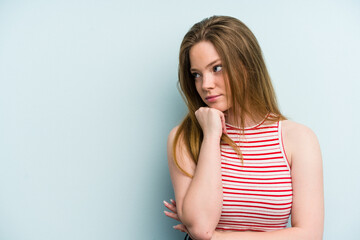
[173, 214]
[212, 121]
[172, 207]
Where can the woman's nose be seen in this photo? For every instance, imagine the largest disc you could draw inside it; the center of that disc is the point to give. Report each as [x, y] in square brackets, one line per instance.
[208, 81]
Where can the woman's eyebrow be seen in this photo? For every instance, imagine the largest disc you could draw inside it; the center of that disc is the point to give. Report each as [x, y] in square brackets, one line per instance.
[194, 69]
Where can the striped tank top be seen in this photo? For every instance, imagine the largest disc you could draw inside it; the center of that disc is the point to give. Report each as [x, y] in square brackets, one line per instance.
[257, 195]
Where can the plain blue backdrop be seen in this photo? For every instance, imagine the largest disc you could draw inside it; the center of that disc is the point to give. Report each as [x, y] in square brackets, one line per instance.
[88, 96]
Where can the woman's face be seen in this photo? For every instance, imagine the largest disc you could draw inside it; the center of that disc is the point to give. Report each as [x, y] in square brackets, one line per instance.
[209, 76]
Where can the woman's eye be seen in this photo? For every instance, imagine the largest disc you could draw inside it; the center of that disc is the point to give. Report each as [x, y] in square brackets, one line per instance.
[195, 75]
[217, 68]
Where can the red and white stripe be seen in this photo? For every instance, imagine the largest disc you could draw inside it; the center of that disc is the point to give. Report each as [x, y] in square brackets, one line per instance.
[257, 195]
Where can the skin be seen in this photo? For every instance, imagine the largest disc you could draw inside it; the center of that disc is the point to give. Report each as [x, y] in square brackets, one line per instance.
[199, 200]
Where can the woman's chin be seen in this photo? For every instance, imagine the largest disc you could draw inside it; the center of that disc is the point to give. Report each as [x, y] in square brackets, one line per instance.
[220, 108]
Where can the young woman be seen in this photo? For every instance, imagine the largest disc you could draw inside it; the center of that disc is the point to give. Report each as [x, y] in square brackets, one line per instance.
[238, 167]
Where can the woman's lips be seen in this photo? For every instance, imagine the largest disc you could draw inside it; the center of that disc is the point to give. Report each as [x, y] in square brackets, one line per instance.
[212, 98]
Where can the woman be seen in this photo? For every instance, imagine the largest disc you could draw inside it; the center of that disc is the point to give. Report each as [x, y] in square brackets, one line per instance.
[238, 167]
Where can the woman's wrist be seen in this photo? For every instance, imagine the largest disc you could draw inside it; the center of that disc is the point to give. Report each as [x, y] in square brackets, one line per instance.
[212, 137]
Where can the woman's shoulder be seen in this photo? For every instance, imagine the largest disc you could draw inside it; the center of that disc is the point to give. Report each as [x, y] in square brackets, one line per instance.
[296, 130]
[297, 138]
[173, 133]
[171, 137]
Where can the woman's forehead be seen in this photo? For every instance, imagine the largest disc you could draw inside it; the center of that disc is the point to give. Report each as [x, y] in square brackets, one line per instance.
[202, 55]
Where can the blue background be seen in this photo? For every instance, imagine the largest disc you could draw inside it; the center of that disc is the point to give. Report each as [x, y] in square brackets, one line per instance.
[88, 96]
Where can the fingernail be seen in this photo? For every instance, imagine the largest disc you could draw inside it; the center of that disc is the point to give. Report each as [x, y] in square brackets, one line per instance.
[171, 200]
[165, 202]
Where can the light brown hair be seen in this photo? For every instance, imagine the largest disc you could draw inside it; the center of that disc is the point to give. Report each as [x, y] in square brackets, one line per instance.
[252, 93]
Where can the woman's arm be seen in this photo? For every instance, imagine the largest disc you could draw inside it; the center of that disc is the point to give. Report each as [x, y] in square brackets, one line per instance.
[307, 214]
[199, 200]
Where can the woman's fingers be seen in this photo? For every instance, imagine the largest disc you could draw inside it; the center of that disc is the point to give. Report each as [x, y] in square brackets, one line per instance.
[172, 215]
[180, 227]
[171, 207]
[211, 121]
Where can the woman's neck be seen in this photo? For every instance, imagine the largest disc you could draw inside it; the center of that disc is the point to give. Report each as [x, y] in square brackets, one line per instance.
[248, 121]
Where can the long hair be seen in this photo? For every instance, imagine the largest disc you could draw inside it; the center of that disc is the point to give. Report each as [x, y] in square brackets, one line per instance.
[252, 94]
